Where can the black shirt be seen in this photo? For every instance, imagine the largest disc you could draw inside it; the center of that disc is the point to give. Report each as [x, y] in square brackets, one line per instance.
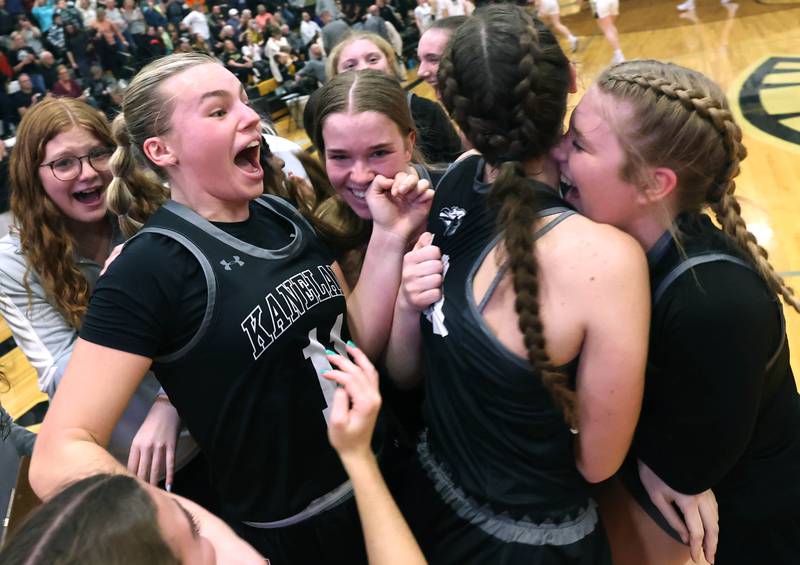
[237, 317]
[492, 424]
[721, 408]
[436, 137]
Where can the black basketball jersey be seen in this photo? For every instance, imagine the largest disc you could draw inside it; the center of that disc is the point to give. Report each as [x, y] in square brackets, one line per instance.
[248, 384]
[491, 423]
[679, 433]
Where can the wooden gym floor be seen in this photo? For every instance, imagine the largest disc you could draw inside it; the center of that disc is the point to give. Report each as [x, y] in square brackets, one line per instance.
[753, 51]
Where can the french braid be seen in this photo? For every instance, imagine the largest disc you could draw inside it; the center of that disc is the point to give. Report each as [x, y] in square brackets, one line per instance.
[508, 95]
[719, 146]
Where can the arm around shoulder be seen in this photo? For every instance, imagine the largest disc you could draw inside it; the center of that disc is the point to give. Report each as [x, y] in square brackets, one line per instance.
[78, 425]
[612, 284]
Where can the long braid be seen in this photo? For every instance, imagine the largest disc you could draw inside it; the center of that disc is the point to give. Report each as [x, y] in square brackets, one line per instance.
[719, 195]
[501, 121]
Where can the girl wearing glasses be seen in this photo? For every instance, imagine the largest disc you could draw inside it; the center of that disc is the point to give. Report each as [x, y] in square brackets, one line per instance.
[51, 259]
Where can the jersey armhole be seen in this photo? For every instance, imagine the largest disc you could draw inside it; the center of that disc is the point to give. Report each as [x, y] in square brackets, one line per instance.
[211, 288]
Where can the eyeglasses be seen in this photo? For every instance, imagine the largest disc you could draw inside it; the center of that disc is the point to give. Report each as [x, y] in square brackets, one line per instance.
[69, 168]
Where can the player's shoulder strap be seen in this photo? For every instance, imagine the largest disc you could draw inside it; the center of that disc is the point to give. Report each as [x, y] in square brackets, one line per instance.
[696, 260]
[211, 286]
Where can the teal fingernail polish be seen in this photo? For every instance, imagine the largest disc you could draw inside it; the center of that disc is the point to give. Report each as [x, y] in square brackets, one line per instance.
[329, 352]
[351, 343]
[323, 371]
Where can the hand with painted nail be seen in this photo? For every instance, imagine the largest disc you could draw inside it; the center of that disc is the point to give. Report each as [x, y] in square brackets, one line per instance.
[699, 527]
[423, 272]
[400, 205]
[356, 403]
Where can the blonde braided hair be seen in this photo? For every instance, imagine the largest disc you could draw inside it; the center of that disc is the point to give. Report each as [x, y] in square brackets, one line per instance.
[691, 111]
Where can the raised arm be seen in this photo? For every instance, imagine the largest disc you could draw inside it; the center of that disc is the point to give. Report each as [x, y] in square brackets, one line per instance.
[421, 286]
[356, 403]
[399, 208]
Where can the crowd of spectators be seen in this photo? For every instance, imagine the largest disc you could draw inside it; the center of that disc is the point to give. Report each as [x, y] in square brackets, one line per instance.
[89, 49]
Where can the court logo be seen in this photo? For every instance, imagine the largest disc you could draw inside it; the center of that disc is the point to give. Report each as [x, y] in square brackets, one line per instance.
[768, 101]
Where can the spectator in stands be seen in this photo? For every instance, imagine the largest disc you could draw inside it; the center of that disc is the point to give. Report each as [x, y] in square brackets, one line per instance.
[108, 34]
[216, 20]
[375, 23]
[153, 14]
[100, 89]
[309, 29]
[333, 31]
[327, 6]
[388, 13]
[43, 12]
[233, 19]
[236, 62]
[153, 45]
[134, 19]
[69, 13]
[293, 39]
[352, 13]
[174, 11]
[114, 15]
[31, 35]
[271, 50]
[200, 45]
[87, 12]
[197, 23]
[67, 86]
[252, 49]
[315, 66]
[252, 33]
[423, 16]
[262, 17]
[55, 36]
[77, 44]
[23, 59]
[6, 20]
[47, 63]
[24, 98]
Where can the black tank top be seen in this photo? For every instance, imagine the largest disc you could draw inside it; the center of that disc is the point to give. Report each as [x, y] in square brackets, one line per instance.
[247, 384]
[760, 485]
[491, 423]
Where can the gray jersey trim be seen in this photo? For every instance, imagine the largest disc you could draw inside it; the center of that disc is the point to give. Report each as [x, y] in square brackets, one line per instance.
[211, 285]
[201, 223]
[340, 494]
[504, 528]
[710, 258]
[501, 272]
[691, 263]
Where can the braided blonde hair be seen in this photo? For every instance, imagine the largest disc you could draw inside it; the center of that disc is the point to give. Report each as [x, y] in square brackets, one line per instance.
[704, 147]
[138, 187]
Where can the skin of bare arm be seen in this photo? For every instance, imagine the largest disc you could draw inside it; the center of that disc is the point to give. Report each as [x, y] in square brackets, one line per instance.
[78, 425]
[612, 271]
[356, 403]
[421, 286]
[400, 207]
